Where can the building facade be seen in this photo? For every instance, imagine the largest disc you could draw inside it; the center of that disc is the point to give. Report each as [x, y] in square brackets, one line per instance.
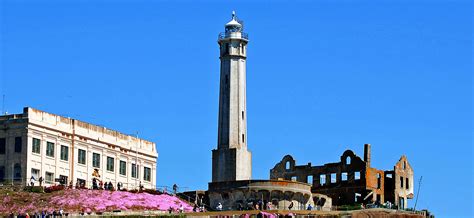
[352, 180]
[64, 150]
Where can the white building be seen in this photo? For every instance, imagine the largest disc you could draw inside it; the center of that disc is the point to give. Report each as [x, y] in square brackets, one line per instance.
[39, 144]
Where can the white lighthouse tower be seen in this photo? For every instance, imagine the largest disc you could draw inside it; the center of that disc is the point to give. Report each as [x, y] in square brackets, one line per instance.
[231, 160]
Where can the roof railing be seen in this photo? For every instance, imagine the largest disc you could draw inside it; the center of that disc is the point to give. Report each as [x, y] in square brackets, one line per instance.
[232, 34]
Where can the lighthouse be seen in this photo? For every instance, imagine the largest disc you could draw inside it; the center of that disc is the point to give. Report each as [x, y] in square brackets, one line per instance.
[231, 161]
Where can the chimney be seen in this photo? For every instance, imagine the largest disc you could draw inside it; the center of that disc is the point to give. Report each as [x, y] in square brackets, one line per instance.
[367, 154]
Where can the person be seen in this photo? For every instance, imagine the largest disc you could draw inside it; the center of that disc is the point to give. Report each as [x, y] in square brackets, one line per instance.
[175, 188]
[290, 206]
[61, 212]
[309, 207]
[41, 181]
[181, 208]
[32, 181]
[195, 208]
[170, 210]
[111, 186]
[239, 206]
[101, 184]
[219, 206]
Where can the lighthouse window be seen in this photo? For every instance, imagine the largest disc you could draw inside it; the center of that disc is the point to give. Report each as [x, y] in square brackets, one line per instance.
[243, 115]
[226, 48]
[243, 138]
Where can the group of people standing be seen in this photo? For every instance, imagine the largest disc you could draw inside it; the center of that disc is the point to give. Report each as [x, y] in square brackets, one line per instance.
[99, 185]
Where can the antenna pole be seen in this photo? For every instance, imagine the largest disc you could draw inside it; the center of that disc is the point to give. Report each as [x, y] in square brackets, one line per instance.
[3, 104]
[417, 193]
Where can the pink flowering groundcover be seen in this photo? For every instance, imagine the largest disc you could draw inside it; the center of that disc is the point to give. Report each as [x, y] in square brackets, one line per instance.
[88, 201]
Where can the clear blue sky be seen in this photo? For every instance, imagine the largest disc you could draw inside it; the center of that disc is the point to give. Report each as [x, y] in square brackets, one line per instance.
[322, 77]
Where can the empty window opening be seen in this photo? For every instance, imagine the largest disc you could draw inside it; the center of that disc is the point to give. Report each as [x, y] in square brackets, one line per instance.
[388, 175]
[404, 165]
[322, 179]
[357, 196]
[309, 179]
[407, 184]
[243, 115]
[288, 165]
[17, 172]
[344, 176]
[18, 144]
[333, 178]
[243, 138]
[348, 160]
[379, 181]
[356, 175]
[293, 178]
[401, 182]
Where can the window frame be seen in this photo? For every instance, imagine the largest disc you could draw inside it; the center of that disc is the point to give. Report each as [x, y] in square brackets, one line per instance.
[147, 174]
[110, 164]
[36, 146]
[79, 159]
[95, 163]
[64, 155]
[123, 168]
[50, 152]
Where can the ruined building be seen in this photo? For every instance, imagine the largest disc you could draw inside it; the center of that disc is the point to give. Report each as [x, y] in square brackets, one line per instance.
[352, 180]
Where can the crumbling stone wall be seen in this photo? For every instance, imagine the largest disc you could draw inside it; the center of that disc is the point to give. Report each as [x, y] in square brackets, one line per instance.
[351, 180]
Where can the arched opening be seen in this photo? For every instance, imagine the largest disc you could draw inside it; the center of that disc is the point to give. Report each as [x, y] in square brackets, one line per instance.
[404, 165]
[348, 160]
[288, 165]
[17, 172]
[379, 181]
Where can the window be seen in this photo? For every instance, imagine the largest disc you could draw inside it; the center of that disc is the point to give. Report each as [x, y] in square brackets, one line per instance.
[64, 153]
[147, 174]
[379, 181]
[17, 171]
[344, 176]
[49, 178]
[309, 179]
[356, 175]
[36, 146]
[322, 179]
[407, 184]
[293, 178]
[243, 138]
[96, 160]
[123, 168]
[388, 175]
[35, 173]
[404, 165]
[81, 158]
[18, 144]
[333, 178]
[110, 164]
[2, 145]
[243, 115]
[401, 182]
[134, 171]
[2, 173]
[348, 160]
[50, 149]
[287, 165]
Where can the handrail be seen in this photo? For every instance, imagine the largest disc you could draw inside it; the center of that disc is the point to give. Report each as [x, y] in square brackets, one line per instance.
[224, 35]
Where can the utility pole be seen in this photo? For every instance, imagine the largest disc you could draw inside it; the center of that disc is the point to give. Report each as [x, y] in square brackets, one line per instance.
[417, 193]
